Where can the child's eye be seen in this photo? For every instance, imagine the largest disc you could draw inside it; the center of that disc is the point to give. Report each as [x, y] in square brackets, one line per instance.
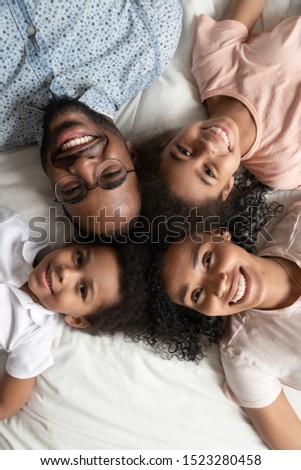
[209, 172]
[184, 151]
[79, 258]
[83, 290]
[207, 259]
[196, 295]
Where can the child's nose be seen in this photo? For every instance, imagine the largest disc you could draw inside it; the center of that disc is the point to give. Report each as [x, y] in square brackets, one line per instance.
[207, 149]
[67, 273]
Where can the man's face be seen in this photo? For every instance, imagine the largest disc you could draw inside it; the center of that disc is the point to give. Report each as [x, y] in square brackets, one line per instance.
[76, 139]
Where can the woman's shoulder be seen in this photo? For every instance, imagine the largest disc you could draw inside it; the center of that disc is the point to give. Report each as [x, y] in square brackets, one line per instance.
[285, 237]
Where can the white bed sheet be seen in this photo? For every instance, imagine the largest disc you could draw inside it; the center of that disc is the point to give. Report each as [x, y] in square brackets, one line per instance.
[106, 393]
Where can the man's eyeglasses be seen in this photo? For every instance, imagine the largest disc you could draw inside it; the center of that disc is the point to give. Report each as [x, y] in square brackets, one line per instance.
[109, 174]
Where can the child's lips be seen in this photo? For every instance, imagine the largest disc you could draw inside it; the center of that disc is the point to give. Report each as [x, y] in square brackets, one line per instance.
[221, 134]
[47, 277]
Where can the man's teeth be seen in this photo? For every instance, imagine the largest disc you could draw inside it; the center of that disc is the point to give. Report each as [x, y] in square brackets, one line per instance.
[241, 289]
[221, 133]
[77, 141]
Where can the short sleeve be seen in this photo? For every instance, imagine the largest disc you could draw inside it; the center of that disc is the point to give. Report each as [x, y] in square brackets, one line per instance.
[31, 356]
[286, 236]
[246, 383]
[214, 36]
[13, 235]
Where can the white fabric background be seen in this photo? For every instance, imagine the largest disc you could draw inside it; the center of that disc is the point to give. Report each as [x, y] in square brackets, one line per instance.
[107, 393]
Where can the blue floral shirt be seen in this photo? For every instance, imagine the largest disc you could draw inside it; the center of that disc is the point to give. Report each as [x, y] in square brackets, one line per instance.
[101, 52]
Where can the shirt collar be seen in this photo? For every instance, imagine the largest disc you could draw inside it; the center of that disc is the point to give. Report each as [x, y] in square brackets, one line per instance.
[39, 314]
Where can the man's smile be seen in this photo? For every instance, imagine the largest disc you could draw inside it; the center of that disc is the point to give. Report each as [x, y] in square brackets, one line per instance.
[76, 141]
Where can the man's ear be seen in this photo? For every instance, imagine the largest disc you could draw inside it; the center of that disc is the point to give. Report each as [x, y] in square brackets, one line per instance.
[130, 148]
[76, 322]
[227, 189]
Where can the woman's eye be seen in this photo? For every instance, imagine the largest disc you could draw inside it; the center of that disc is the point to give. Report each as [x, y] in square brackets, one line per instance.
[83, 290]
[184, 151]
[196, 295]
[206, 260]
[79, 258]
[209, 172]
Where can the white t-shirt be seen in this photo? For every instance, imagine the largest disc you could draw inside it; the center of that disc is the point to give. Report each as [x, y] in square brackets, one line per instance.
[262, 349]
[26, 328]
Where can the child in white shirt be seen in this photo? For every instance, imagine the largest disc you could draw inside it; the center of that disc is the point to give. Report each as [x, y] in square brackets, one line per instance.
[80, 281]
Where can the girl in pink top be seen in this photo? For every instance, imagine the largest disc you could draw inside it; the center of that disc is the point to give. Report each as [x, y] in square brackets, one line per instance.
[251, 88]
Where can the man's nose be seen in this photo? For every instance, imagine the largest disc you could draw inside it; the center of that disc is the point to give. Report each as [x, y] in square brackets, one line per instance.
[85, 168]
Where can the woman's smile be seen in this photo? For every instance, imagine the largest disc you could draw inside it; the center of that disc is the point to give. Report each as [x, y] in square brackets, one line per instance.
[214, 277]
[242, 288]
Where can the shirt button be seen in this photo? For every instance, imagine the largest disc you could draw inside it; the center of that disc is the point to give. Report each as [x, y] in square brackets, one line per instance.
[31, 30]
[49, 79]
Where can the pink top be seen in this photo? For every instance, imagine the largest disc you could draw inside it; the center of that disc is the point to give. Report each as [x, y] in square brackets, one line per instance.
[263, 72]
[262, 349]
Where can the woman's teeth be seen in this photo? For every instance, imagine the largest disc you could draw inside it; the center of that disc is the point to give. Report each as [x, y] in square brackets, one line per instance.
[221, 133]
[241, 289]
[77, 141]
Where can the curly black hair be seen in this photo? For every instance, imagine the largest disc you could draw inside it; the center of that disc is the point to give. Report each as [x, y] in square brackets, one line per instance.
[243, 214]
[174, 330]
[120, 317]
[177, 330]
[170, 329]
[146, 314]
